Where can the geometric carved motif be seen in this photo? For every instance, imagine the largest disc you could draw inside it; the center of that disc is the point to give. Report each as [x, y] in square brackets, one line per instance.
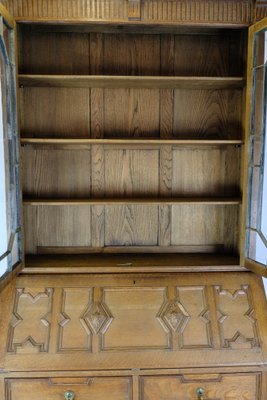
[74, 334]
[197, 331]
[81, 317]
[188, 316]
[235, 313]
[134, 312]
[97, 317]
[174, 315]
[29, 329]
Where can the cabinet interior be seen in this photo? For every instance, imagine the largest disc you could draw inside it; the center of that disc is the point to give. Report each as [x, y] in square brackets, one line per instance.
[132, 139]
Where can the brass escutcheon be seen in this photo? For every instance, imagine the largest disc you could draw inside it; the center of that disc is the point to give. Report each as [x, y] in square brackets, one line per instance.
[200, 393]
[69, 395]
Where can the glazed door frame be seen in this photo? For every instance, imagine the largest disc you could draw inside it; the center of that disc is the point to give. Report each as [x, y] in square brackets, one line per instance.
[11, 253]
[256, 96]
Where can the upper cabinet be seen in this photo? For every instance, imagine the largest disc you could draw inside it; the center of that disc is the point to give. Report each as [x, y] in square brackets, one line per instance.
[131, 139]
[10, 212]
[136, 136]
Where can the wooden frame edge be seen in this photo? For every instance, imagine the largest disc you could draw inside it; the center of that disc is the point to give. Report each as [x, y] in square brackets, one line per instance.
[10, 275]
[7, 17]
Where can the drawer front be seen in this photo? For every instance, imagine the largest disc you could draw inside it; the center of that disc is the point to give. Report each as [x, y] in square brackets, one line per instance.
[215, 387]
[57, 389]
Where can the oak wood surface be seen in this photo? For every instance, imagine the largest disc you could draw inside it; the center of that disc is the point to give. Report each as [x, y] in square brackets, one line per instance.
[119, 263]
[214, 54]
[200, 12]
[145, 82]
[112, 306]
[130, 141]
[123, 201]
[191, 193]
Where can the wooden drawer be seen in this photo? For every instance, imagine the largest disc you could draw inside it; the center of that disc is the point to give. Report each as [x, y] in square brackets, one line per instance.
[216, 387]
[55, 388]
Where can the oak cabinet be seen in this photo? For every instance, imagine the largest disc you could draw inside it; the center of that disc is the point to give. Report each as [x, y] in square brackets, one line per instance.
[143, 152]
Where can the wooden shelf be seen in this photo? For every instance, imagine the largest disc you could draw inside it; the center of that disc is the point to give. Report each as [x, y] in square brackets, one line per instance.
[134, 201]
[121, 263]
[141, 142]
[146, 82]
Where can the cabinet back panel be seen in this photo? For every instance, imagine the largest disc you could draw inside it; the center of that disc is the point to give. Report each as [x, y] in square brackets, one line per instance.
[61, 112]
[157, 171]
[131, 228]
[54, 53]
[137, 113]
[207, 114]
[212, 54]
[204, 225]
[131, 112]
[56, 172]
[57, 226]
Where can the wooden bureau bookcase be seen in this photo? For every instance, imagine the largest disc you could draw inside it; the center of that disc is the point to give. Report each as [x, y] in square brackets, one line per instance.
[134, 149]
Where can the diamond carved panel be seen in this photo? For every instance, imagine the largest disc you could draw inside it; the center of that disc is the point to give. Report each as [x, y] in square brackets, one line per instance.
[97, 317]
[187, 316]
[29, 329]
[174, 315]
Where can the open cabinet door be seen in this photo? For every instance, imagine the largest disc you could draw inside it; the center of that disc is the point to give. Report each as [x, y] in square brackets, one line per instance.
[256, 147]
[10, 202]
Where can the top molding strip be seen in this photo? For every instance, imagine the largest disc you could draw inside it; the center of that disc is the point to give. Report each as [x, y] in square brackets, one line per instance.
[219, 12]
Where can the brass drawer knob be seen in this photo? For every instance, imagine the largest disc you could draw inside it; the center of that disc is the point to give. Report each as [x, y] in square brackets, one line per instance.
[200, 393]
[69, 395]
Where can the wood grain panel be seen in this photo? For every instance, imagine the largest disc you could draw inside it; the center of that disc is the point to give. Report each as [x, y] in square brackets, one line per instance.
[207, 114]
[96, 53]
[97, 388]
[58, 112]
[57, 172]
[131, 225]
[64, 226]
[239, 386]
[131, 173]
[203, 225]
[97, 113]
[53, 53]
[131, 54]
[167, 54]
[205, 171]
[166, 113]
[205, 55]
[30, 229]
[139, 306]
[135, 118]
